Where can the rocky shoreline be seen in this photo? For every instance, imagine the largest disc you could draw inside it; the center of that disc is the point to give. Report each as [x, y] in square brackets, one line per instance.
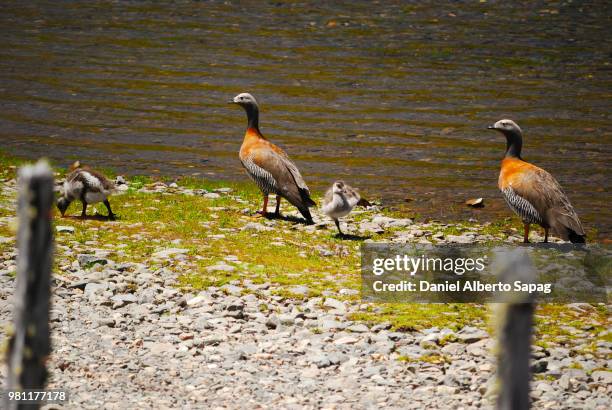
[129, 334]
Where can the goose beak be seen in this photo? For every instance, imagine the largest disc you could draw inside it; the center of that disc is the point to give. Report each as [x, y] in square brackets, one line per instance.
[231, 102]
[491, 127]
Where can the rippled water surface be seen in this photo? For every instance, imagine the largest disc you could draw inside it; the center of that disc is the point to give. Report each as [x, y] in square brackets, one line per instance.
[392, 97]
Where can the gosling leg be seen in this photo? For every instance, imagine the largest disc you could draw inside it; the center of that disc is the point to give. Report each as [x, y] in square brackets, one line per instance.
[111, 215]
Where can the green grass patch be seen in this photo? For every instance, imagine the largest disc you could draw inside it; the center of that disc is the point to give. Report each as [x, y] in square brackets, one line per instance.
[212, 231]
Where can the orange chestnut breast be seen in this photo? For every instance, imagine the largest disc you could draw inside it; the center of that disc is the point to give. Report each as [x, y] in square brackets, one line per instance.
[512, 169]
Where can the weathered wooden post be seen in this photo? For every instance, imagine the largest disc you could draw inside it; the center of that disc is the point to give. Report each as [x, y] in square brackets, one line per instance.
[514, 329]
[29, 345]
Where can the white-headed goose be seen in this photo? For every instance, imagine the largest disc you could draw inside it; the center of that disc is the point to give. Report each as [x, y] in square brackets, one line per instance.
[534, 194]
[269, 166]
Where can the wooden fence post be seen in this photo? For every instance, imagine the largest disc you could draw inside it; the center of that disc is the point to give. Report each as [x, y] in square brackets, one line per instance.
[29, 345]
[514, 329]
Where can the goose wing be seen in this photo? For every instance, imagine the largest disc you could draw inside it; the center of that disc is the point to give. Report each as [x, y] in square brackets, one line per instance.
[352, 196]
[545, 195]
[92, 180]
[288, 181]
[299, 180]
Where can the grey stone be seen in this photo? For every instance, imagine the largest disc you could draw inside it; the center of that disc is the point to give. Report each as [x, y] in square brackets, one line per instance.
[539, 366]
[272, 322]
[381, 326]
[166, 253]
[328, 325]
[334, 304]
[346, 340]
[211, 195]
[94, 288]
[232, 289]
[320, 360]
[358, 328]
[106, 322]
[602, 376]
[286, 320]
[201, 324]
[213, 340]
[87, 260]
[254, 226]
[225, 190]
[64, 229]
[123, 299]
[460, 238]
[565, 382]
[471, 335]
[299, 290]
[221, 267]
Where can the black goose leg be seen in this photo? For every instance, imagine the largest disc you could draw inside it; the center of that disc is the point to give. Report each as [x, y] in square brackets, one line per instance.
[84, 212]
[338, 226]
[111, 215]
[545, 235]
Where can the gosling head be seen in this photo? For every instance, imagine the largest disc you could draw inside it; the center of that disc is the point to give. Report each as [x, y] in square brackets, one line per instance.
[338, 187]
[62, 204]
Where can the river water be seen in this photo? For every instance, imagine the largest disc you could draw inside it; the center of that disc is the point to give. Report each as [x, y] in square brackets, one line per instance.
[393, 97]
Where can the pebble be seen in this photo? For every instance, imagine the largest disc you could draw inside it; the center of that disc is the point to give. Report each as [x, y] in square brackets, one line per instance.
[64, 229]
[221, 267]
[87, 261]
[471, 335]
[334, 304]
[166, 253]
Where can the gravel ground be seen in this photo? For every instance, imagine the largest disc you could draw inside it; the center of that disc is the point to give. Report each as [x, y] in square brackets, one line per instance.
[124, 337]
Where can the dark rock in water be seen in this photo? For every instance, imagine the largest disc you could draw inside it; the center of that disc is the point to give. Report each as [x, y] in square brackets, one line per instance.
[475, 202]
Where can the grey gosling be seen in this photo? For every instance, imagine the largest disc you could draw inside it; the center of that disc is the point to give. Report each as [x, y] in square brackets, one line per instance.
[340, 200]
[87, 186]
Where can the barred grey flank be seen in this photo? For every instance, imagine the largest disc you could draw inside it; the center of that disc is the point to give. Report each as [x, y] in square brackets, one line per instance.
[264, 180]
[521, 207]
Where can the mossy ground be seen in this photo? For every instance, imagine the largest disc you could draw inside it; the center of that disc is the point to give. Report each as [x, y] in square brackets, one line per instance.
[212, 231]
